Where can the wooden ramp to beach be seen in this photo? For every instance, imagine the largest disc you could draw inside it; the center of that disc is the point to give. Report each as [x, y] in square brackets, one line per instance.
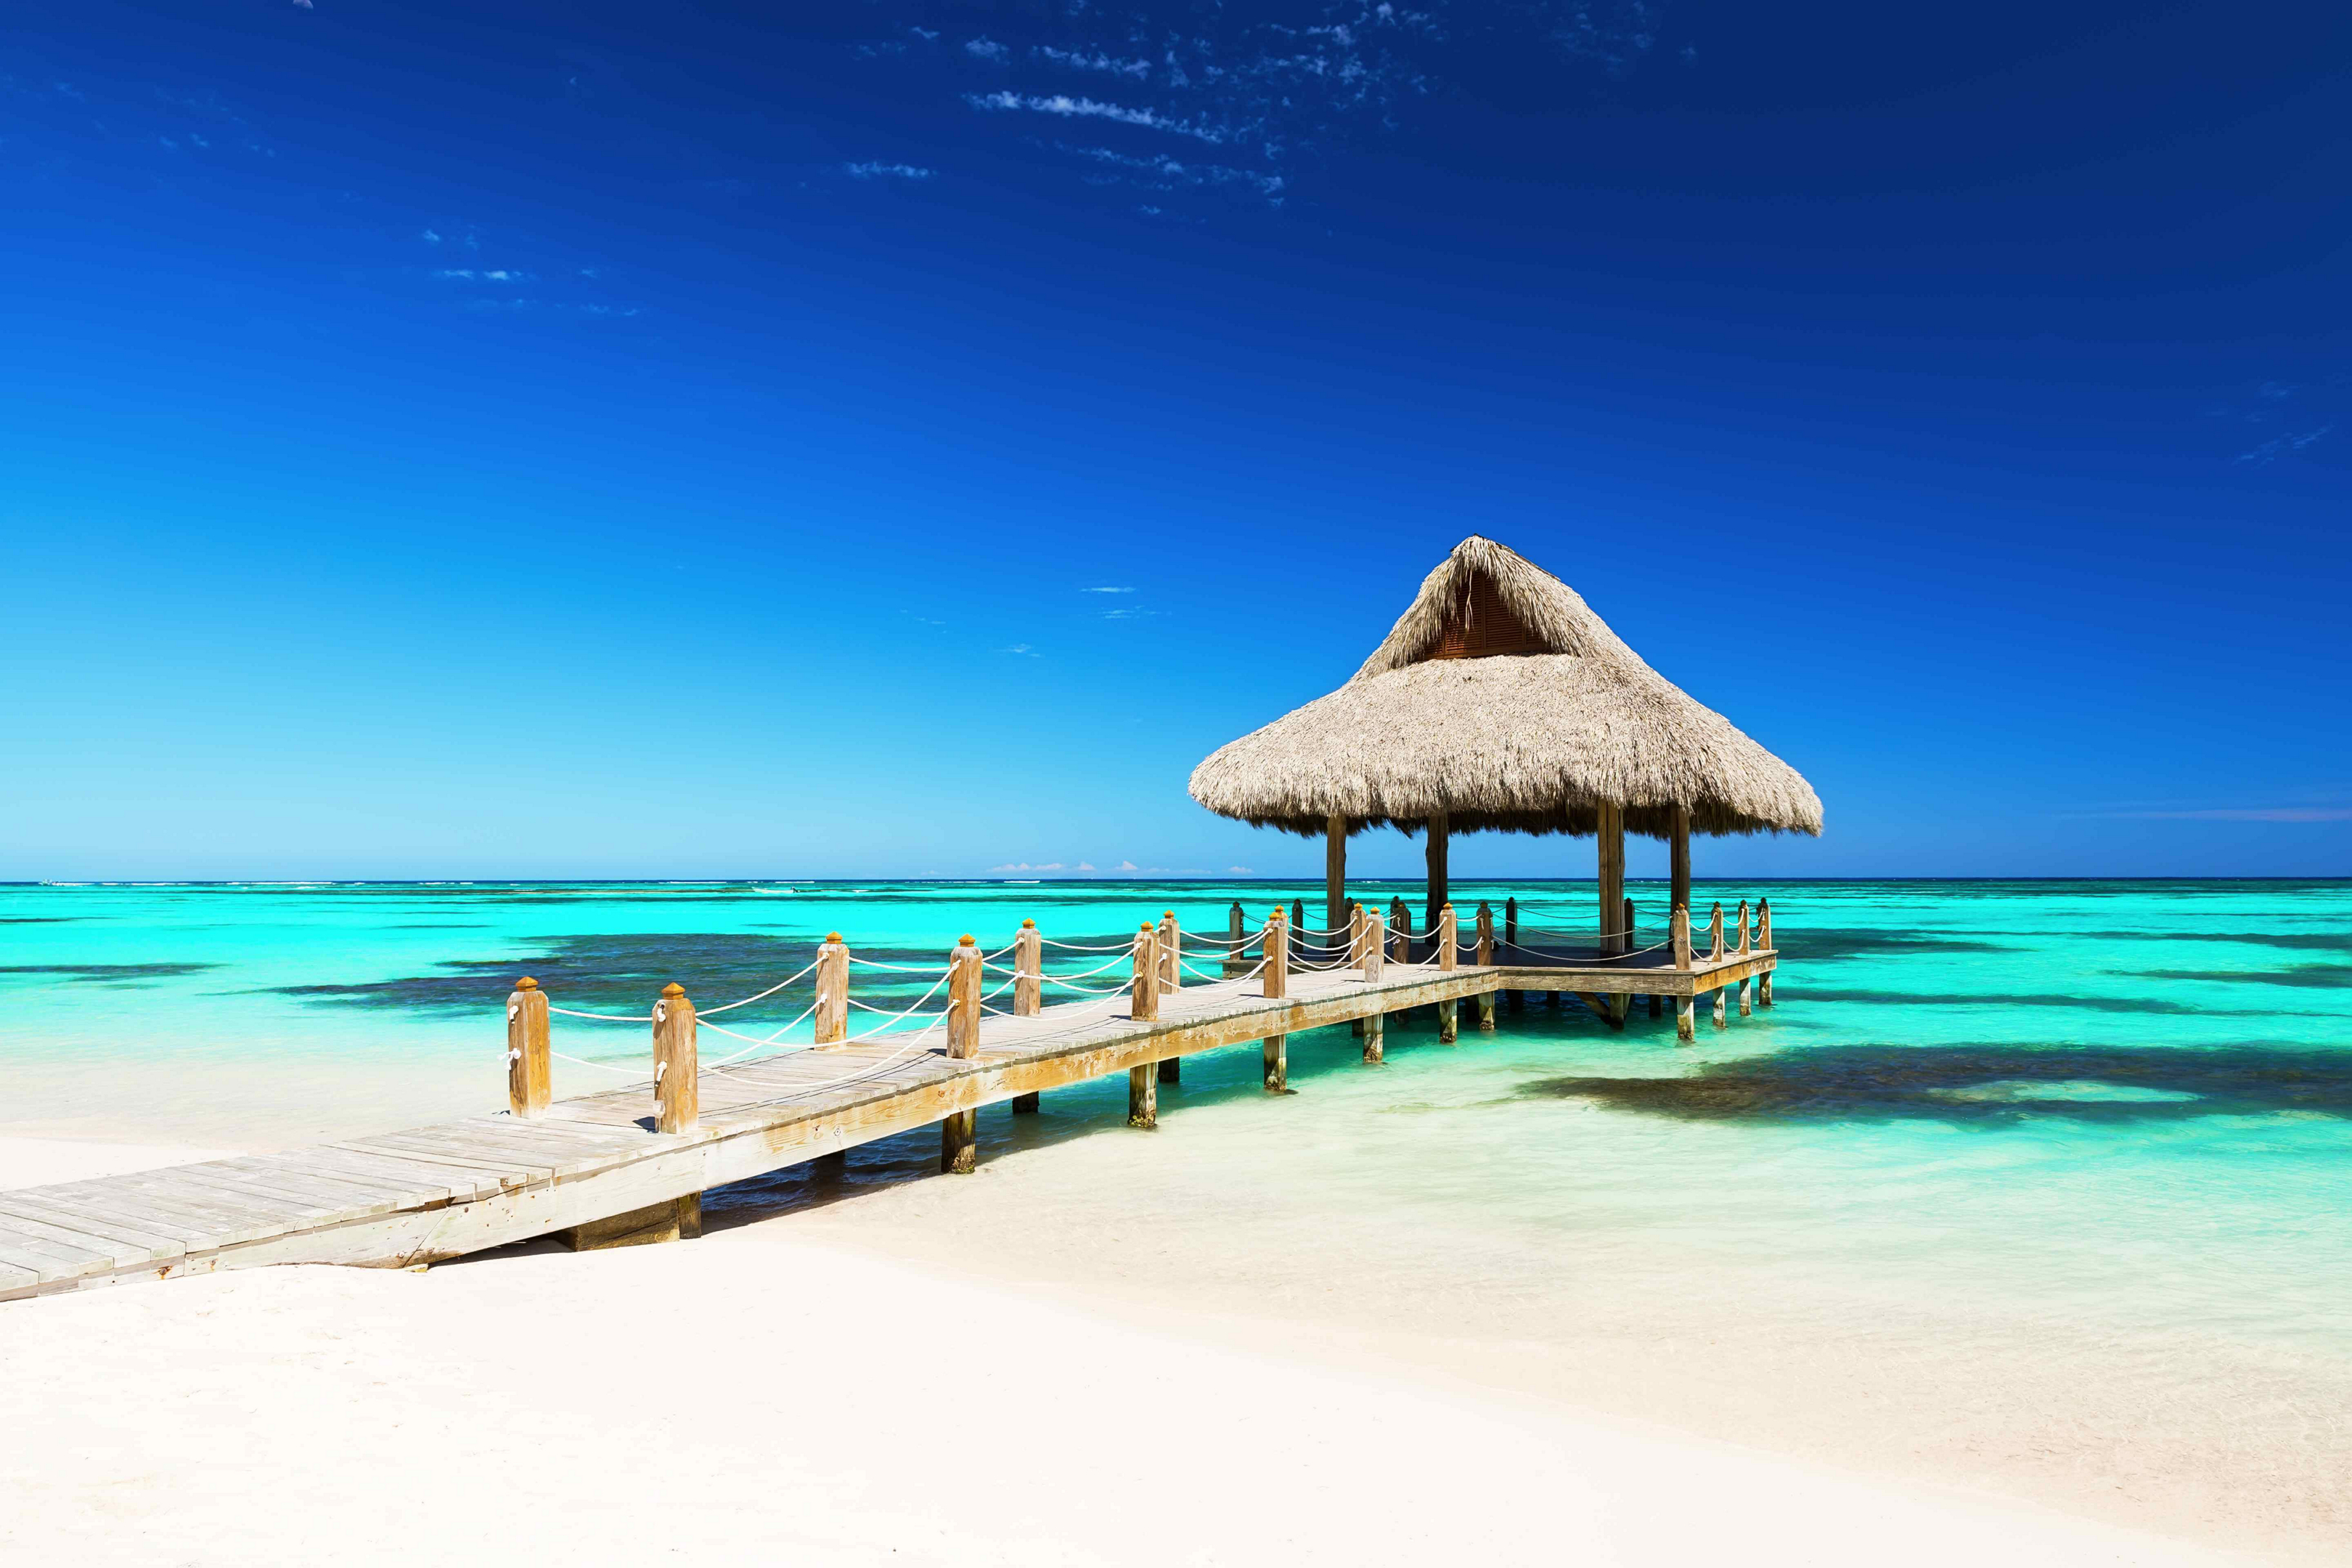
[630, 1165]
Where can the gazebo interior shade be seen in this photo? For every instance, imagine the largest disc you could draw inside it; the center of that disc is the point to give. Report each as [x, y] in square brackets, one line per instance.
[1501, 701]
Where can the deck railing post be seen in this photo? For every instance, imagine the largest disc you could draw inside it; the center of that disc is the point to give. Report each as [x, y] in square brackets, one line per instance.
[1764, 941]
[1449, 1012]
[1028, 991]
[1685, 1030]
[1298, 929]
[1376, 950]
[1144, 995]
[832, 990]
[960, 1130]
[1400, 931]
[1028, 972]
[1743, 928]
[1715, 935]
[1172, 952]
[1518, 1000]
[678, 1088]
[530, 1074]
[1277, 955]
[1236, 938]
[1172, 979]
[1486, 960]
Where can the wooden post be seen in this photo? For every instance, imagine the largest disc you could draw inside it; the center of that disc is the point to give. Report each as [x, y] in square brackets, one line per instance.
[677, 1086]
[1171, 979]
[1028, 972]
[1611, 838]
[1401, 939]
[1171, 953]
[1486, 1012]
[1298, 929]
[530, 1074]
[1678, 859]
[960, 1130]
[1657, 1004]
[1437, 834]
[1743, 998]
[1718, 1007]
[1277, 1064]
[1376, 944]
[1518, 1000]
[1143, 1005]
[1277, 955]
[1764, 941]
[1682, 937]
[1028, 993]
[832, 990]
[1625, 924]
[1144, 1001]
[1235, 936]
[1743, 928]
[1334, 871]
[1358, 933]
[1685, 1025]
[1715, 935]
[1143, 1097]
[1449, 1012]
[1486, 934]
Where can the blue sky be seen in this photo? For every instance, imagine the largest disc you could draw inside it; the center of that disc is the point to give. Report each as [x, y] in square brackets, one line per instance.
[901, 439]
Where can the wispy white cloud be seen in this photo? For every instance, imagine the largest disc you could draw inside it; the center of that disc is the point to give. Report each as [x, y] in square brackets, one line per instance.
[482, 275]
[987, 48]
[1068, 107]
[2242, 814]
[2278, 446]
[1105, 590]
[1020, 647]
[878, 171]
[1237, 871]
[1092, 60]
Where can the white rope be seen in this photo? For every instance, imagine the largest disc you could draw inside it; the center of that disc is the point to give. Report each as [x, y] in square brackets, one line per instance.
[771, 991]
[605, 1018]
[901, 968]
[1087, 947]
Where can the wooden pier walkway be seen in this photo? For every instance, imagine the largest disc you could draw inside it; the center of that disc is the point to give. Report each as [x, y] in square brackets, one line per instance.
[596, 1169]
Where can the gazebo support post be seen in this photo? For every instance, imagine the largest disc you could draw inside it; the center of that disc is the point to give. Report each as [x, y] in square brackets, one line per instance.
[1335, 873]
[1611, 841]
[1679, 857]
[1437, 838]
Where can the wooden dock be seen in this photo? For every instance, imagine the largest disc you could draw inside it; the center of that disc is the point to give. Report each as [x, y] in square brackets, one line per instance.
[598, 1169]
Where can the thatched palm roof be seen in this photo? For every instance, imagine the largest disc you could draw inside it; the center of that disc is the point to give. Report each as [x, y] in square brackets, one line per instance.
[1502, 700]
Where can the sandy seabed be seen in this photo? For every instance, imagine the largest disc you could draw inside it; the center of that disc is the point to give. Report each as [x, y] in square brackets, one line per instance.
[780, 1392]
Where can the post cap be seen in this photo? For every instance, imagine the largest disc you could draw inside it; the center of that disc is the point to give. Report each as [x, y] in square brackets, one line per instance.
[526, 984]
[833, 936]
[967, 941]
[672, 989]
[1028, 925]
[1145, 926]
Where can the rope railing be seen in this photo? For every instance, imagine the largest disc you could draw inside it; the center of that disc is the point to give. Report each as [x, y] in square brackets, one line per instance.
[1163, 954]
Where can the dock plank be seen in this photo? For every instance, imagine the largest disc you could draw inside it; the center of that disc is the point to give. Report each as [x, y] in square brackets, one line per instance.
[428, 1193]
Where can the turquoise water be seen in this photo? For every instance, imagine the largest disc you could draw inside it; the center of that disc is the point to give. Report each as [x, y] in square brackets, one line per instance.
[2038, 1184]
[2128, 1102]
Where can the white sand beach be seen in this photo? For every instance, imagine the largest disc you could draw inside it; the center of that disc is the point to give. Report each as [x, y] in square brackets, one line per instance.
[775, 1393]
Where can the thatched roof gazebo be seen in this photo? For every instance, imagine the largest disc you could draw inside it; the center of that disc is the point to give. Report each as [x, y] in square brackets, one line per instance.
[1499, 702]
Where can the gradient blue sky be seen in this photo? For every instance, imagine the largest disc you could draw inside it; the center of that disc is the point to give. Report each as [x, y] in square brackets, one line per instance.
[903, 439]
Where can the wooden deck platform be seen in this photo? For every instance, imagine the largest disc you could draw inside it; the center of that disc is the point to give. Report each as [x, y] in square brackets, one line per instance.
[437, 1192]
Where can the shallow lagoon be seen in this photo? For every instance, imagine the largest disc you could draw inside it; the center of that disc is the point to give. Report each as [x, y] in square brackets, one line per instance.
[2061, 1166]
